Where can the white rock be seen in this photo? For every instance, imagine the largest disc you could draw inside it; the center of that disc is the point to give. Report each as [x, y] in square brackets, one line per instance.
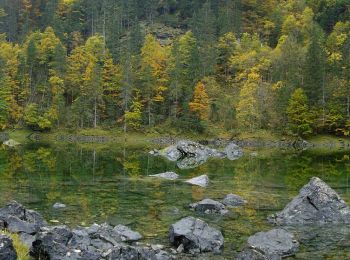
[202, 181]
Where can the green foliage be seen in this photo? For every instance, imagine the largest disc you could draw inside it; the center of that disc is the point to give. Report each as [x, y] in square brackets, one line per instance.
[133, 117]
[299, 115]
[75, 64]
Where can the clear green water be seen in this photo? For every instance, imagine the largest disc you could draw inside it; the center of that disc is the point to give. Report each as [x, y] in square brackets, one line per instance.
[111, 184]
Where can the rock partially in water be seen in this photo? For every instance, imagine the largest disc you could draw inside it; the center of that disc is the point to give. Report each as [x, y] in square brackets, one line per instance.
[11, 143]
[166, 175]
[316, 203]
[196, 236]
[191, 162]
[17, 219]
[171, 153]
[58, 205]
[233, 152]
[209, 206]
[202, 181]
[276, 242]
[136, 253]
[233, 200]
[189, 154]
[126, 234]
[95, 242]
[250, 253]
[7, 251]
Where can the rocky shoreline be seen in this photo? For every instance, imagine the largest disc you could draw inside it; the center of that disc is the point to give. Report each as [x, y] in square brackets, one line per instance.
[316, 204]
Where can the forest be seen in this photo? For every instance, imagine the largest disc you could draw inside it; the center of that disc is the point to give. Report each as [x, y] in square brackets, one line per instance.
[237, 65]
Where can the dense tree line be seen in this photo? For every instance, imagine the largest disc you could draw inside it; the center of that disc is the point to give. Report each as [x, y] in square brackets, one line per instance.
[235, 64]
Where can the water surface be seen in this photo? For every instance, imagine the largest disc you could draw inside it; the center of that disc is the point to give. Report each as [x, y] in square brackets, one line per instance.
[111, 184]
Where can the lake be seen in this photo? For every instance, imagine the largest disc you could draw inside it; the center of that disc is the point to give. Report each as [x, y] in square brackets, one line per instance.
[110, 183]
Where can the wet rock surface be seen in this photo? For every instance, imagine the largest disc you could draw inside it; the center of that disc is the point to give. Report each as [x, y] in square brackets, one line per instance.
[233, 200]
[7, 251]
[166, 175]
[17, 219]
[277, 241]
[195, 236]
[190, 154]
[95, 242]
[316, 203]
[209, 206]
[202, 181]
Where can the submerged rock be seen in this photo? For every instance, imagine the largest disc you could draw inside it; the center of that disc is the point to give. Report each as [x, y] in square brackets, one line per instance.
[7, 251]
[17, 219]
[58, 205]
[233, 152]
[11, 143]
[276, 242]
[233, 200]
[196, 236]
[166, 175]
[209, 206]
[202, 181]
[316, 203]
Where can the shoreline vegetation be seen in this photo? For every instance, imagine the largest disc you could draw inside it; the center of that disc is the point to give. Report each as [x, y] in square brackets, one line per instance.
[153, 139]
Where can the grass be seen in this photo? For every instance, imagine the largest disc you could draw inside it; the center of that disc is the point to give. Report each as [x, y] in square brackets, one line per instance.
[21, 249]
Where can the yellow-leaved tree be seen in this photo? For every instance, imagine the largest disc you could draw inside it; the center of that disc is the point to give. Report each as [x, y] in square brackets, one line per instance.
[248, 115]
[200, 102]
[153, 72]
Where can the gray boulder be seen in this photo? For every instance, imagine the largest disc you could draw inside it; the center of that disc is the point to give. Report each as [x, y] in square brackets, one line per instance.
[136, 253]
[233, 200]
[233, 152]
[202, 181]
[316, 203]
[276, 242]
[126, 234]
[196, 236]
[93, 243]
[166, 175]
[17, 219]
[7, 251]
[250, 253]
[209, 206]
[189, 154]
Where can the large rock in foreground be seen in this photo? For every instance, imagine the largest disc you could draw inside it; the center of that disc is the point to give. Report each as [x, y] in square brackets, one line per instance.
[17, 219]
[7, 251]
[275, 242]
[96, 242]
[316, 203]
[195, 236]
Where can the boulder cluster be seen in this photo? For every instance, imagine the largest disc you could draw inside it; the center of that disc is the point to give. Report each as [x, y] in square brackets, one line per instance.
[316, 203]
[188, 154]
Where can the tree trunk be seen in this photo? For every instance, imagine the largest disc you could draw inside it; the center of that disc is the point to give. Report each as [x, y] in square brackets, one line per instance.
[95, 113]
